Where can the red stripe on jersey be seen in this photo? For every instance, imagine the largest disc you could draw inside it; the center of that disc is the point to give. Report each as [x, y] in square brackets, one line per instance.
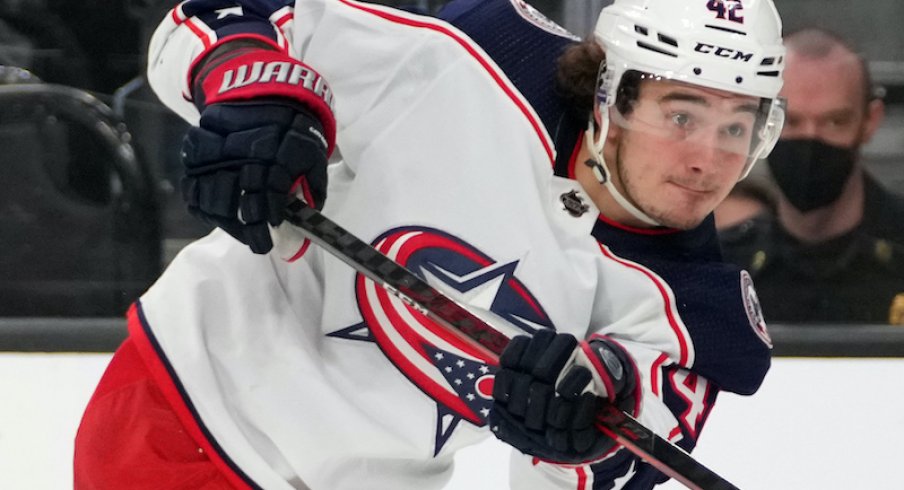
[178, 15]
[285, 18]
[205, 39]
[582, 478]
[639, 231]
[301, 250]
[280, 18]
[572, 162]
[178, 400]
[601, 370]
[580, 472]
[667, 302]
[500, 80]
[654, 372]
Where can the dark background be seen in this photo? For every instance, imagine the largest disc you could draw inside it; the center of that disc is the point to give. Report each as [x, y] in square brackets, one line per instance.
[99, 47]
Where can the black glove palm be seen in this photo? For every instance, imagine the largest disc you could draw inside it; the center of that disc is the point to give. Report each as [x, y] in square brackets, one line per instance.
[541, 405]
[244, 159]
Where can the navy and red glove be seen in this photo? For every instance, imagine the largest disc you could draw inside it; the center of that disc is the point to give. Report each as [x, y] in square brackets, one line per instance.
[549, 390]
[266, 131]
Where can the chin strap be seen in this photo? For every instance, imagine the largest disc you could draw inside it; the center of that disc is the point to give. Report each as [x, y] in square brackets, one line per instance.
[601, 171]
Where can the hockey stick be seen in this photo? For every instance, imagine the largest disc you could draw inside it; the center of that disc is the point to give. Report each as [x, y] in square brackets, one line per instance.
[414, 291]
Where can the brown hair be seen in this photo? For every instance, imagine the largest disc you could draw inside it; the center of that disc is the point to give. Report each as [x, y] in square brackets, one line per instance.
[577, 69]
[576, 79]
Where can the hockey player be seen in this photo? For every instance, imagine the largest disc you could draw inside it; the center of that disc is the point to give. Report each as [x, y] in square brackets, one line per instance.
[252, 370]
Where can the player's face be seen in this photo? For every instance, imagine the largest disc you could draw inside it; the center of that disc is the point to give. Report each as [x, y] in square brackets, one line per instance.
[681, 149]
[825, 99]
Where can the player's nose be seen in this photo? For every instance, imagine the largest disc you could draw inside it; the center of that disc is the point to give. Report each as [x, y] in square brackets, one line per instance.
[702, 152]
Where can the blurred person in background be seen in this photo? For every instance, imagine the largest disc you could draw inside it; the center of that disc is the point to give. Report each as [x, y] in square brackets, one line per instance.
[834, 249]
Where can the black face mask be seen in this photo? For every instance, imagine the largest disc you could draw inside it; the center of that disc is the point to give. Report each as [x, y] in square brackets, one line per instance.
[810, 173]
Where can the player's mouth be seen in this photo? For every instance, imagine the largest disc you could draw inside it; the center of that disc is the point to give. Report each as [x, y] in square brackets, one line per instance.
[693, 189]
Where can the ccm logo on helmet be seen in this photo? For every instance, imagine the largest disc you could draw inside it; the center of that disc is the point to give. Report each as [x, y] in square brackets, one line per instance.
[277, 71]
[722, 52]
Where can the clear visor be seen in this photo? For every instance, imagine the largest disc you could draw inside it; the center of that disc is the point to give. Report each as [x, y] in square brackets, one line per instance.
[690, 118]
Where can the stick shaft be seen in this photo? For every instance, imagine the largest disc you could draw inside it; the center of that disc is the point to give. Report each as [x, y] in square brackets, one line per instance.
[446, 312]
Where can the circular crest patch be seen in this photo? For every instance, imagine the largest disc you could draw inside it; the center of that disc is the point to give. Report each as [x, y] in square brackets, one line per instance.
[754, 310]
[454, 373]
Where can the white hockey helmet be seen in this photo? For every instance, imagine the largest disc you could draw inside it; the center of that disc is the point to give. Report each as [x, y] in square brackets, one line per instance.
[730, 45]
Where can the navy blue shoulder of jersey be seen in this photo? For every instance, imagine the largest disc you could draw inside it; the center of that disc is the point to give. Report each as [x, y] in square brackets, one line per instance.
[526, 47]
[710, 295]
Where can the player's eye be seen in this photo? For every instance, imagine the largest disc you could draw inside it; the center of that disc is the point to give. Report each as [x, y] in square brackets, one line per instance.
[681, 119]
[736, 130]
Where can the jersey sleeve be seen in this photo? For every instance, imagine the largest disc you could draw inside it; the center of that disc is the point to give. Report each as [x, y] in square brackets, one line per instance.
[193, 27]
[693, 328]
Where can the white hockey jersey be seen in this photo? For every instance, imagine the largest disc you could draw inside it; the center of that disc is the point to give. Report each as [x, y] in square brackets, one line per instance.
[307, 375]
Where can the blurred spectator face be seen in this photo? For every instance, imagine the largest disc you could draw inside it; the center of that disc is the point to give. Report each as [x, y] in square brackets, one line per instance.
[828, 118]
[827, 100]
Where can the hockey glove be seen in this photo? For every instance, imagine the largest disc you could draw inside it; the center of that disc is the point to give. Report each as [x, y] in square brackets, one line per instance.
[549, 390]
[266, 131]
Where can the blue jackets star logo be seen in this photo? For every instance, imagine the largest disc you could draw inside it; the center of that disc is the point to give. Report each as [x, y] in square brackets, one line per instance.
[454, 374]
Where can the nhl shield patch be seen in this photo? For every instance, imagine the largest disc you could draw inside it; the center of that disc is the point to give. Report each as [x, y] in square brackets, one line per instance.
[574, 204]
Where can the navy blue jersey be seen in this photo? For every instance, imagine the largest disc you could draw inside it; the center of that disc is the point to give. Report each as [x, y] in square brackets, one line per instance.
[526, 46]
